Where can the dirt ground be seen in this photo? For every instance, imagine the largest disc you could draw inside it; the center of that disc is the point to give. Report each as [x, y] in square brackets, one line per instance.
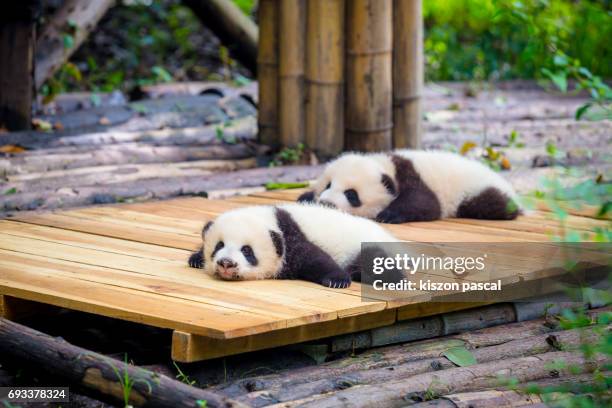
[199, 138]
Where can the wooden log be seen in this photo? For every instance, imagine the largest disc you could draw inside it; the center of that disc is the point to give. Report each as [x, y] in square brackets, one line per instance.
[292, 25]
[239, 130]
[459, 379]
[369, 81]
[97, 374]
[508, 398]
[84, 156]
[123, 173]
[293, 387]
[156, 187]
[75, 18]
[482, 399]
[17, 46]
[267, 72]
[235, 29]
[325, 76]
[426, 328]
[394, 355]
[407, 73]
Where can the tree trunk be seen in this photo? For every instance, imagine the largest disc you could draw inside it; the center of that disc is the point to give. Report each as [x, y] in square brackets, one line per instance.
[369, 75]
[75, 20]
[292, 25]
[459, 379]
[235, 29]
[407, 73]
[17, 45]
[325, 76]
[267, 72]
[97, 374]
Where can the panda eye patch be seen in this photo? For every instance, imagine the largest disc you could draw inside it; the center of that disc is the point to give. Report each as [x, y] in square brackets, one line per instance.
[352, 197]
[218, 247]
[249, 255]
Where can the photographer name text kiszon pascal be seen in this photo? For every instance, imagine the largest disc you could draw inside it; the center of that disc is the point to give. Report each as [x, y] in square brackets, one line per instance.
[428, 285]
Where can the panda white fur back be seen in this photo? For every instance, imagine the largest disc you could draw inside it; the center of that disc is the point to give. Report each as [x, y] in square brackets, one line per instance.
[454, 178]
[289, 241]
[413, 185]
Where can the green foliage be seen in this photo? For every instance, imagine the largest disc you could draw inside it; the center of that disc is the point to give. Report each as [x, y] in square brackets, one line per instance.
[288, 155]
[502, 39]
[569, 68]
[126, 382]
[245, 5]
[181, 376]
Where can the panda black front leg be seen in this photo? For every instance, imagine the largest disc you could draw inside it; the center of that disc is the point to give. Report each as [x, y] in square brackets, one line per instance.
[196, 260]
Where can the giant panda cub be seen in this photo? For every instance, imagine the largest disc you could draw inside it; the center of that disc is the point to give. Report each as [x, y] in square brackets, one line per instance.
[413, 185]
[290, 241]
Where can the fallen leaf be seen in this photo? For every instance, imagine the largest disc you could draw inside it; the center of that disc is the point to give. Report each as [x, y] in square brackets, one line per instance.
[43, 125]
[11, 149]
[104, 121]
[505, 163]
[467, 146]
[58, 126]
[460, 356]
[283, 186]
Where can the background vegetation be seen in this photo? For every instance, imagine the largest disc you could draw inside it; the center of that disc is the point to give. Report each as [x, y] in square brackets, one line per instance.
[145, 41]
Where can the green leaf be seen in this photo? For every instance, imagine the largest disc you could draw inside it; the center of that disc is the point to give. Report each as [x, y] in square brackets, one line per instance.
[10, 191]
[581, 110]
[283, 186]
[161, 74]
[460, 356]
[202, 403]
[68, 41]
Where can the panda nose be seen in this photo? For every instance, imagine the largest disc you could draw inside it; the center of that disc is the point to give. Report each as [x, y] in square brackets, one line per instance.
[227, 263]
[326, 203]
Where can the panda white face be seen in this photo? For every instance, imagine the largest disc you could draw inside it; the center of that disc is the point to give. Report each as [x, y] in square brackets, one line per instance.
[360, 185]
[240, 245]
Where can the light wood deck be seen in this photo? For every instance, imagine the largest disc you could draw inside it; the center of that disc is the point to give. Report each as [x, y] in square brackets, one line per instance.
[129, 262]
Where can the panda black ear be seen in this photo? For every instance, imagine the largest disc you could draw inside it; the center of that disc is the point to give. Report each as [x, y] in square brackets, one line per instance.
[307, 197]
[206, 228]
[277, 240]
[389, 184]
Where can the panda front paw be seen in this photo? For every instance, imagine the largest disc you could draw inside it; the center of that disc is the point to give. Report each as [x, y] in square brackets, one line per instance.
[307, 197]
[336, 283]
[390, 217]
[196, 260]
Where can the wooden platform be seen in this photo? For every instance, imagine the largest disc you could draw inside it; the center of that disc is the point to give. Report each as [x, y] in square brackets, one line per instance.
[129, 262]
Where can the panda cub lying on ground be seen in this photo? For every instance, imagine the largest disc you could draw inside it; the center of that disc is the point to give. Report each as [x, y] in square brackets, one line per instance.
[413, 185]
[290, 241]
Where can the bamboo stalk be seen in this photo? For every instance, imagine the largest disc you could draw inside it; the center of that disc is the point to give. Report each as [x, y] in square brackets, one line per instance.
[369, 79]
[292, 25]
[407, 73]
[325, 76]
[267, 72]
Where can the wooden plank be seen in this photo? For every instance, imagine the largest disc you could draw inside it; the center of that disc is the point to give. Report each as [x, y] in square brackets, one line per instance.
[187, 347]
[83, 240]
[295, 312]
[126, 304]
[65, 221]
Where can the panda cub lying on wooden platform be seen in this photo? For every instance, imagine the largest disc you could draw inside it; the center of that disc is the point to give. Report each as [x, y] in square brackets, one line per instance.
[413, 185]
[290, 241]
